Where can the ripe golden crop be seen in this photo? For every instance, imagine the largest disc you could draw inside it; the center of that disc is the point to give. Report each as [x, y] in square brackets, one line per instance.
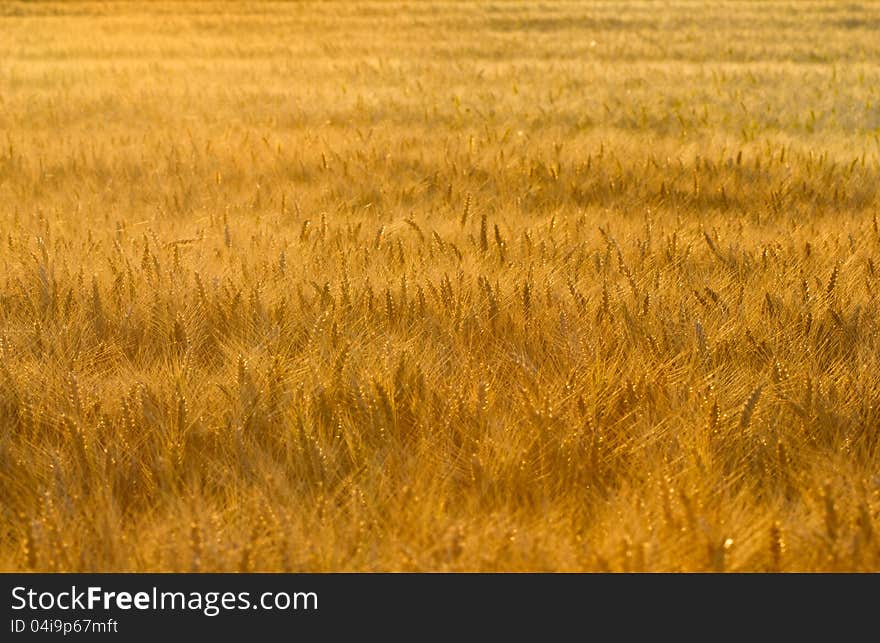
[439, 286]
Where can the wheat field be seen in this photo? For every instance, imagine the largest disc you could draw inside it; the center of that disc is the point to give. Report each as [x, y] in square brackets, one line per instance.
[439, 286]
